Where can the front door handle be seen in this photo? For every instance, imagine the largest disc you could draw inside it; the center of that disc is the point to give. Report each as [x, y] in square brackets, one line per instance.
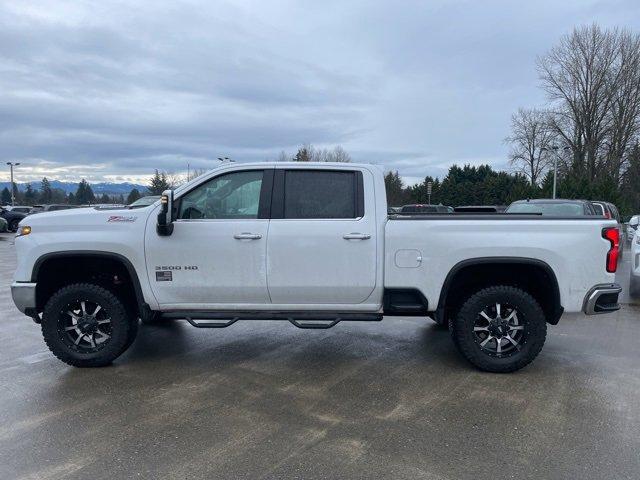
[247, 236]
[356, 236]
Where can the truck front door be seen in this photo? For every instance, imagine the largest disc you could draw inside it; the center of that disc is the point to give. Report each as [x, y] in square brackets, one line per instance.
[216, 254]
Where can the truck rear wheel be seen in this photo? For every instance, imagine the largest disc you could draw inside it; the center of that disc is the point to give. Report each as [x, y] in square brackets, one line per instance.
[85, 325]
[500, 329]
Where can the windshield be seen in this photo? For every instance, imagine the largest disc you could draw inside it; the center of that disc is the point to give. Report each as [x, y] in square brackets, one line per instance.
[568, 209]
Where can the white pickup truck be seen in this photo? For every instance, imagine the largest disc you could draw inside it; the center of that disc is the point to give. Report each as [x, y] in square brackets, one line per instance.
[310, 243]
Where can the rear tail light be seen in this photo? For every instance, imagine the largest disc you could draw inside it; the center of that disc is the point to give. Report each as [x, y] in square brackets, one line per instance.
[613, 235]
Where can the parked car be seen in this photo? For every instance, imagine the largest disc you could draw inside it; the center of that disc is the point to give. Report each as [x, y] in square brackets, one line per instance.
[632, 226]
[312, 244]
[4, 225]
[635, 264]
[106, 206]
[424, 208]
[145, 201]
[480, 209]
[17, 208]
[553, 207]
[12, 217]
[607, 210]
[50, 208]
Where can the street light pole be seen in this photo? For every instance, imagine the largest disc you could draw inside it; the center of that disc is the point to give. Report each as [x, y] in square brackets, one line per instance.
[555, 149]
[11, 165]
[555, 170]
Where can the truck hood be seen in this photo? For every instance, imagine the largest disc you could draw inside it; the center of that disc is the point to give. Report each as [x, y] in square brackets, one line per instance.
[84, 217]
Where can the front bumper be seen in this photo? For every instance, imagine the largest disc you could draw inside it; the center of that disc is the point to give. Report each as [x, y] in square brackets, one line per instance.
[24, 296]
[602, 298]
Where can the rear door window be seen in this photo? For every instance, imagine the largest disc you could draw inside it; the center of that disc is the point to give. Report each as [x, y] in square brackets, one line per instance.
[321, 194]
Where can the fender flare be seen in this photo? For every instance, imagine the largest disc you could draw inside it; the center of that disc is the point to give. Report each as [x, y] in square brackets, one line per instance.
[142, 305]
[554, 314]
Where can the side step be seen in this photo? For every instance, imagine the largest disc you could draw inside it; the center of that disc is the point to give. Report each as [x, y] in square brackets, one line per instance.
[308, 320]
[211, 323]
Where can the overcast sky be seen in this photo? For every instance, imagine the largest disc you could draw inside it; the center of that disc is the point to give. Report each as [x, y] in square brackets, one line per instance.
[110, 90]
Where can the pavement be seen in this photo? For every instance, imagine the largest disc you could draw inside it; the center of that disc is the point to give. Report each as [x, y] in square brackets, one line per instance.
[363, 400]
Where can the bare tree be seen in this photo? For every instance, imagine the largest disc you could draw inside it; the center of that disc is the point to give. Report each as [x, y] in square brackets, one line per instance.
[625, 107]
[283, 157]
[581, 76]
[175, 179]
[339, 154]
[531, 136]
[308, 153]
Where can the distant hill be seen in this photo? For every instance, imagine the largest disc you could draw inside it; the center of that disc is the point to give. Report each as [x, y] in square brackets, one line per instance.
[98, 188]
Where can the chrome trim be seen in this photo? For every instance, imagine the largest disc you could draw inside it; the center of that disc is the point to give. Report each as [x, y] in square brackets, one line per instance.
[592, 297]
[24, 295]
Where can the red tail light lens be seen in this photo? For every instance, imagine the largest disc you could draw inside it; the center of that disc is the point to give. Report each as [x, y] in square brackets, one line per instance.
[613, 235]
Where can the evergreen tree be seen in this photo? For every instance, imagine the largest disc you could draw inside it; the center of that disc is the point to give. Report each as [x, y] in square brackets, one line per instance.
[105, 198]
[133, 196]
[17, 194]
[158, 183]
[58, 196]
[304, 154]
[5, 196]
[46, 194]
[84, 194]
[395, 189]
[71, 199]
[30, 195]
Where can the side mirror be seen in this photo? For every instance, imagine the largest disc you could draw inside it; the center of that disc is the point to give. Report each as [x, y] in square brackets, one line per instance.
[164, 226]
[634, 223]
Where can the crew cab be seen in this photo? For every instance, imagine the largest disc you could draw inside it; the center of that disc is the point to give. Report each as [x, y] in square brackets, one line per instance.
[311, 243]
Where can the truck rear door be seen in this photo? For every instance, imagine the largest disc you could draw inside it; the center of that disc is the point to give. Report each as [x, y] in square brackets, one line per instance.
[321, 247]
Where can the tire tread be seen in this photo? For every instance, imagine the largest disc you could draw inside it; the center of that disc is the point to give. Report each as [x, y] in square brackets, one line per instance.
[483, 361]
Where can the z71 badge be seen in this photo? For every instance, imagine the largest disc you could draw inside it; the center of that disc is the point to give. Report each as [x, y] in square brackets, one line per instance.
[121, 218]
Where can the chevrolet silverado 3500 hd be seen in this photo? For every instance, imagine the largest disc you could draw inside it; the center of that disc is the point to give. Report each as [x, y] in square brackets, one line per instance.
[312, 244]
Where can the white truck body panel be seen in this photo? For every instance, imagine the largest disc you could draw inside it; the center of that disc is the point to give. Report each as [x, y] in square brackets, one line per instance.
[306, 264]
[572, 248]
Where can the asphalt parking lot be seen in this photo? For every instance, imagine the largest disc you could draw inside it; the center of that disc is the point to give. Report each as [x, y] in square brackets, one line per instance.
[364, 400]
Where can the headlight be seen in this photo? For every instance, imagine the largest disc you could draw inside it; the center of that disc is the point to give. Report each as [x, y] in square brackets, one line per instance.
[24, 230]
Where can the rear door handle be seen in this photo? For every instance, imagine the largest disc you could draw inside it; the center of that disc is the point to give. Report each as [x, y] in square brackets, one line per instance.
[247, 236]
[356, 236]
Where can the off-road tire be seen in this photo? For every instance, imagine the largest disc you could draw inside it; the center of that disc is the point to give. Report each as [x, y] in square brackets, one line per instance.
[123, 326]
[530, 314]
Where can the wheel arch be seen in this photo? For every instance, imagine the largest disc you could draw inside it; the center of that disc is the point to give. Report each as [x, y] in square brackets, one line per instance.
[460, 275]
[97, 256]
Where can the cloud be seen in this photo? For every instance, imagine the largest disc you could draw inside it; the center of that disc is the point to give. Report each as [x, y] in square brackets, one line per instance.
[109, 90]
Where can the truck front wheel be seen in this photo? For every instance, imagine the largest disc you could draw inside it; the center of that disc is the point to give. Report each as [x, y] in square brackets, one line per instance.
[85, 325]
[500, 329]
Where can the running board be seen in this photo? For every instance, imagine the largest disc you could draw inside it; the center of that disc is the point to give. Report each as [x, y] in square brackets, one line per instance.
[199, 323]
[308, 320]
